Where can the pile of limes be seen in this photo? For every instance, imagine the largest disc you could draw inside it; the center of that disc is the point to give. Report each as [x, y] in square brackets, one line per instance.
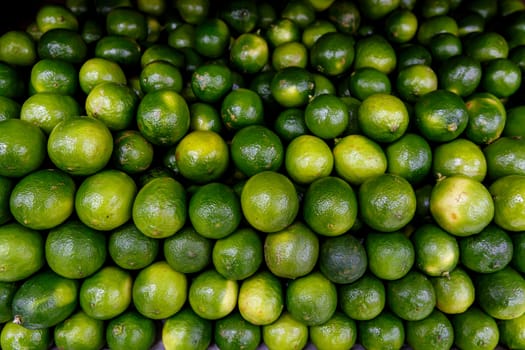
[296, 173]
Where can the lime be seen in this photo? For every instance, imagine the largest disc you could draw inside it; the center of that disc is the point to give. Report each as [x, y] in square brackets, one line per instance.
[291, 252]
[501, 77]
[410, 157]
[390, 255]
[338, 333]
[345, 16]
[460, 156]
[204, 116]
[505, 156]
[384, 331]
[22, 252]
[292, 87]
[507, 193]
[285, 333]
[80, 331]
[437, 252]
[131, 249]
[387, 202]
[50, 16]
[415, 81]
[455, 293]
[376, 52]
[132, 153]
[326, 116]
[433, 332]
[308, 158]
[14, 336]
[54, 75]
[186, 330]
[514, 125]
[401, 25]
[74, 250]
[18, 48]
[411, 297]
[461, 205]
[363, 299]
[158, 291]
[187, 251]
[281, 31]
[130, 330]
[234, 332]
[212, 296]
[241, 107]
[97, 70]
[249, 53]
[260, 299]
[333, 53]
[511, 332]
[474, 329]
[211, 82]
[292, 54]
[239, 255]
[212, 37]
[518, 244]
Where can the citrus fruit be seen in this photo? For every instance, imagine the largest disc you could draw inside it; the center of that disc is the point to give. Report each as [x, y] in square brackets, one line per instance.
[269, 201]
[505, 156]
[460, 156]
[435, 25]
[358, 158]
[289, 124]
[204, 116]
[363, 299]
[437, 252]
[79, 331]
[214, 210]
[202, 156]
[131, 249]
[239, 255]
[9, 108]
[234, 332]
[338, 333]
[411, 297]
[501, 294]
[507, 193]
[18, 48]
[22, 252]
[501, 77]
[291, 252]
[410, 157]
[74, 250]
[514, 125]
[487, 117]
[14, 336]
[256, 148]
[187, 330]
[329, 206]
[390, 255]
[163, 117]
[281, 31]
[384, 331]
[97, 70]
[43, 199]
[311, 299]
[54, 75]
[474, 329]
[285, 333]
[187, 251]
[159, 209]
[211, 82]
[517, 251]
[158, 291]
[387, 202]
[433, 332]
[44, 300]
[440, 115]
[63, 44]
[211, 295]
[212, 37]
[488, 251]
[415, 81]
[132, 153]
[460, 74]
[401, 25]
[249, 53]
[308, 158]
[106, 293]
[80, 146]
[291, 54]
[333, 53]
[455, 293]
[511, 332]
[292, 87]
[22, 149]
[326, 116]
[260, 299]
[383, 117]
[7, 291]
[130, 330]
[461, 205]
[376, 52]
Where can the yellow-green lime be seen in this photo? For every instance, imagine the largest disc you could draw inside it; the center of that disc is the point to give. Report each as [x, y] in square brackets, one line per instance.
[74, 250]
[14, 336]
[363, 299]
[433, 332]
[511, 332]
[375, 51]
[384, 331]
[455, 293]
[308, 158]
[358, 158]
[104, 200]
[291, 252]
[261, 298]
[285, 333]
[160, 207]
[338, 333]
[460, 156]
[474, 329]
[505, 156]
[98, 70]
[212, 296]
[158, 291]
[507, 193]
[187, 330]
[461, 205]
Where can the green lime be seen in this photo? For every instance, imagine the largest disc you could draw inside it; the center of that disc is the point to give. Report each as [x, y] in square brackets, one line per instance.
[411, 297]
[292, 87]
[474, 329]
[249, 53]
[376, 52]
[234, 332]
[131, 330]
[501, 77]
[401, 25]
[511, 332]
[132, 153]
[415, 81]
[455, 293]
[338, 333]
[187, 251]
[515, 123]
[14, 336]
[54, 75]
[123, 50]
[212, 37]
[74, 250]
[507, 193]
[80, 331]
[390, 255]
[97, 70]
[239, 255]
[285, 333]
[308, 158]
[363, 299]
[187, 330]
[17, 48]
[211, 82]
[504, 157]
[384, 331]
[345, 15]
[410, 157]
[326, 116]
[242, 107]
[460, 74]
[459, 157]
[333, 53]
[433, 332]
[131, 249]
